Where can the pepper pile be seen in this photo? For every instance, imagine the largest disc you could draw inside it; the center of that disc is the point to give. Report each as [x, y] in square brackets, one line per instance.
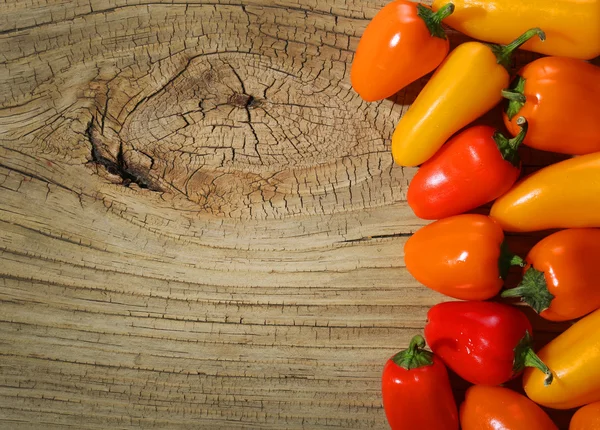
[551, 104]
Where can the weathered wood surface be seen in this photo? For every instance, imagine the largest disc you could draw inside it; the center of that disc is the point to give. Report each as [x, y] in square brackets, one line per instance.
[201, 225]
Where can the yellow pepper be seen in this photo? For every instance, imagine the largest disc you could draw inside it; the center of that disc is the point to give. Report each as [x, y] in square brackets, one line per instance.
[574, 358]
[572, 27]
[562, 195]
[466, 85]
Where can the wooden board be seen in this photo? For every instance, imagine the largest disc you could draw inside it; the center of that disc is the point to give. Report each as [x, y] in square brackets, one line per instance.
[201, 225]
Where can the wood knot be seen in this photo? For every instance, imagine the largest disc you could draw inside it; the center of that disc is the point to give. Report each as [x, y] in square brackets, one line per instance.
[246, 135]
[241, 100]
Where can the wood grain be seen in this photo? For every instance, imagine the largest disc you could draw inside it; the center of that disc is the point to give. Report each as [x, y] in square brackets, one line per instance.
[201, 225]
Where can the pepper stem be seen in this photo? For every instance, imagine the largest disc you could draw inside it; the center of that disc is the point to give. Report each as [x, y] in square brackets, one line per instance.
[514, 96]
[443, 12]
[532, 360]
[525, 357]
[532, 290]
[504, 52]
[509, 147]
[433, 20]
[414, 356]
[507, 259]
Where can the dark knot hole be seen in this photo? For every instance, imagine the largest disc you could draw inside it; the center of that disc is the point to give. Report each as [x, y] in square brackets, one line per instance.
[242, 100]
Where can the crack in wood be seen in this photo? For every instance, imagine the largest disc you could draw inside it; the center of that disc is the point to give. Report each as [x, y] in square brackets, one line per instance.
[120, 168]
[376, 237]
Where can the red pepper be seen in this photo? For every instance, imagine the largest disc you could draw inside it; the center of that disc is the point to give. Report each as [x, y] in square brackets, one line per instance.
[470, 170]
[485, 343]
[416, 390]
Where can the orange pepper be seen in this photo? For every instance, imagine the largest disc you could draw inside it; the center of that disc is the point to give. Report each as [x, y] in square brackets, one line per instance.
[571, 25]
[402, 43]
[461, 256]
[562, 195]
[586, 418]
[561, 276]
[489, 408]
[560, 99]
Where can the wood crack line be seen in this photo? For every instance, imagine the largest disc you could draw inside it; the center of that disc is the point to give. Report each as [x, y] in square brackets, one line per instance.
[176, 3]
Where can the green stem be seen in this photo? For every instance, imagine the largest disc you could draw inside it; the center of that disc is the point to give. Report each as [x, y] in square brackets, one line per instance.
[525, 357]
[514, 96]
[504, 52]
[443, 12]
[414, 356]
[509, 147]
[532, 290]
[515, 292]
[433, 20]
[507, 259]
[532, 360]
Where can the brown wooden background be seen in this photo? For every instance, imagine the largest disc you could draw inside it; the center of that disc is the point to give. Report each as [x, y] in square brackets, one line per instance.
[201, 225]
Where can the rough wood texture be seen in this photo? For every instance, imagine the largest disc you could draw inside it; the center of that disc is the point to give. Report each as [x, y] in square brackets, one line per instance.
[200, 222]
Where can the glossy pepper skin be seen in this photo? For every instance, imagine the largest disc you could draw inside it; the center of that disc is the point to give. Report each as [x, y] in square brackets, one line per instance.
[562, 276]
[586, 418]
[571, 25]
[402, 43]
[491, 408]
[416, 390]
[486, 343]
[574, 357]
[461, 256]
[562, 195]
[473, 168]
[467, 84]
[560, 98]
